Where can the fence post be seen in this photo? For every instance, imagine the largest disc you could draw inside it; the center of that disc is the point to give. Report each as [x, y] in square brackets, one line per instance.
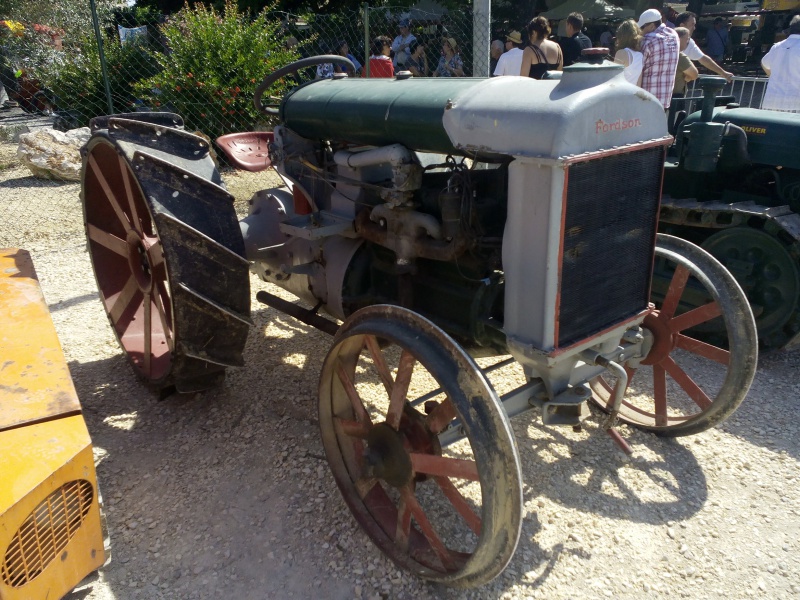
[103, 68]
[481, 34]
[366, 38]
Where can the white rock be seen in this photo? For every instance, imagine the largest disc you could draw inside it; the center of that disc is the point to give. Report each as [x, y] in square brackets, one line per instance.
[52, 154]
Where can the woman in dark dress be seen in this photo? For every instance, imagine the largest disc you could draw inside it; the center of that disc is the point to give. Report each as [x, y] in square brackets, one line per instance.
[541, 55]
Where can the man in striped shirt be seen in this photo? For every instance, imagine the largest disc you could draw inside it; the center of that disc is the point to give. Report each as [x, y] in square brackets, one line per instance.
[660, 49]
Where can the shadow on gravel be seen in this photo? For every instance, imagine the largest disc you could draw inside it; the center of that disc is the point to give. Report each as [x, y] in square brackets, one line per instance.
[31, 181]
[662, 482]
[70, 302]
[206, 494]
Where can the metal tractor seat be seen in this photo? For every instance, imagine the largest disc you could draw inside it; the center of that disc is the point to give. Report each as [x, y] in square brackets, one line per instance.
[248, 150]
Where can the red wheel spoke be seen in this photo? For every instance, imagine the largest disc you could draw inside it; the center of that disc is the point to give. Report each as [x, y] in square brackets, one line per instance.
[660, 394]
[123, 167]
[403, 524]
[687, 383]
[352, 394]
[448, 467]
[460, 504]
[675, 291]
[353, 428]
[112, 199]
[427, 529]
[695, 317]
[123, 300]
[441, 416]
[379, 362]
[398, 397]
[107, 240]
[148, 334]
[694, 346]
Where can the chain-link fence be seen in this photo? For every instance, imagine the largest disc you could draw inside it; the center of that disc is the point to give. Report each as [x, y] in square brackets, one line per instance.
[202, 63]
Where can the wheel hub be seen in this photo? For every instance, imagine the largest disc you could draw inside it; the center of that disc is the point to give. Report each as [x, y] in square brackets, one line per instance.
[663, 338]
[139, 262]
[386, 456]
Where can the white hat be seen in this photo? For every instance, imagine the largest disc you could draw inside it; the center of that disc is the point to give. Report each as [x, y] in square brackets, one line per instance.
[651, 15]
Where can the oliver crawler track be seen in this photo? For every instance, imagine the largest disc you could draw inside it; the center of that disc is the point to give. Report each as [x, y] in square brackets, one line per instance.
[167, 250]
[760, 246]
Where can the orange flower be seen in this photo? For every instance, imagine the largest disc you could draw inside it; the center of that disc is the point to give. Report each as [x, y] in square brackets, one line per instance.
[189, 75]
[177, 88]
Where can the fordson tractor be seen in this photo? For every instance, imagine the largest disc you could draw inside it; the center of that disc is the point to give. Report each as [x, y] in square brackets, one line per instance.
[428, 225]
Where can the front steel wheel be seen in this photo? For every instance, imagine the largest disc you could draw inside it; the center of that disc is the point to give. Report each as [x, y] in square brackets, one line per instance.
[393, 382]
[684, 385]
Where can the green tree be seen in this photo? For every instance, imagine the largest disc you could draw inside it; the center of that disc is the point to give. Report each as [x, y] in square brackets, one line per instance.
[75, 79]
[74, 17]
[214, 64]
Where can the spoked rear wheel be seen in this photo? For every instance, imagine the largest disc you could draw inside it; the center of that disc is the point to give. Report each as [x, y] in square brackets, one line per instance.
[167, 251]
[448, 514]
[684, 385]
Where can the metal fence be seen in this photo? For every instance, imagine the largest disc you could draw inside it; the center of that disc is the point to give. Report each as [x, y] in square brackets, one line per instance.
[77, 78]
[745, 91]
[202, 65]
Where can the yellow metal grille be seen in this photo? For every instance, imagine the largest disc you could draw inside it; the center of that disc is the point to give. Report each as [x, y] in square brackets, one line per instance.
[46, 532]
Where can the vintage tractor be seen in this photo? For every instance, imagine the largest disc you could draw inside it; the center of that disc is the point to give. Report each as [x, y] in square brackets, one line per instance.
[444, 221]
[732, 185]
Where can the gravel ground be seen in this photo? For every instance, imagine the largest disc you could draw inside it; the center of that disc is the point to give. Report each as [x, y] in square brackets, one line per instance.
[226, 494]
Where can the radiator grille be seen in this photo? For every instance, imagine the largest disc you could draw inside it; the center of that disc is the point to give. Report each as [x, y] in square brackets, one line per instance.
[609, 239]
[46, 532]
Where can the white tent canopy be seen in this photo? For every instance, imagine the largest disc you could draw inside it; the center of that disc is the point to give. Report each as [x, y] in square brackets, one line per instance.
[590, 9]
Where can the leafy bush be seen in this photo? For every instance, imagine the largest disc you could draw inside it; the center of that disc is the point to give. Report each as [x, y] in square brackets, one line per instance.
[212, 66]
[75, 77]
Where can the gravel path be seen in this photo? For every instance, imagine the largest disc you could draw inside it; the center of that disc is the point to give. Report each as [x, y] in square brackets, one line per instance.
[226, 494]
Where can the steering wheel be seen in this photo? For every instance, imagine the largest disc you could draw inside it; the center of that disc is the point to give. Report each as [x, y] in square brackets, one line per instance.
[292, 69]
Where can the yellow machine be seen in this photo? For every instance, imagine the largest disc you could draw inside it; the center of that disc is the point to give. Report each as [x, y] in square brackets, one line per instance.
[781, 5]
[51, 531]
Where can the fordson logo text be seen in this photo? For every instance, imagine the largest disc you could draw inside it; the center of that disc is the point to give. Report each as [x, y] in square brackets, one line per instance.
[601, 126]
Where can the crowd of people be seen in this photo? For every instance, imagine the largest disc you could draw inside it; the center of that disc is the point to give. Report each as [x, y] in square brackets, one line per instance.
[403, 53]
[656, 54]
[660, 56]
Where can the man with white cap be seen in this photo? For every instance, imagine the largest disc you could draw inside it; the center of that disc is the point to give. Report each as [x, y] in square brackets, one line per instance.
[660, 49]
[510, 62]
[689, 21]
[401, 43]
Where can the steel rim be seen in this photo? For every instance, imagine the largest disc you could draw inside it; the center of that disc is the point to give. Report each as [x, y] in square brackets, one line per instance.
[436, 512]
[663, 394]
[128, 261]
